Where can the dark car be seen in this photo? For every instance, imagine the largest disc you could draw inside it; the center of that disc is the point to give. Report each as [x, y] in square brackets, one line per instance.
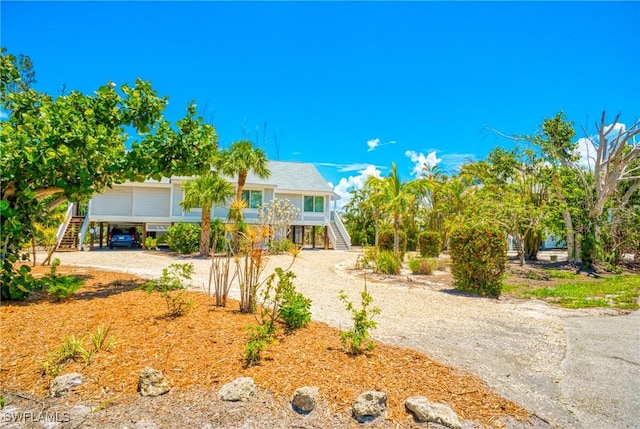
[119, 238]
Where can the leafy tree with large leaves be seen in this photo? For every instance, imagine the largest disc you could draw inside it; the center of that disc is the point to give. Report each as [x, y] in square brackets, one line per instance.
[55, 149]
[204, 191]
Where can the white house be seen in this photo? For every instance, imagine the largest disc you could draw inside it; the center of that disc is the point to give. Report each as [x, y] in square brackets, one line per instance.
[153, 206]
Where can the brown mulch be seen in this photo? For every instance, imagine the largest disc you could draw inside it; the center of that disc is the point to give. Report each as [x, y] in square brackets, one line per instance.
[204, 349]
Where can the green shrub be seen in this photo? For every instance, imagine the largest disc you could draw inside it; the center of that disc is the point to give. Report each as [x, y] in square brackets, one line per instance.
[296, 310]
[370, 256]
[172, 288]
[479, 259]
[150, 243]
[277, 247]
[430, 244]
[388, 263]
[184, 237]
[62, 287]
[358, 339]
[385, 240]
[260, 336]
[423, 265]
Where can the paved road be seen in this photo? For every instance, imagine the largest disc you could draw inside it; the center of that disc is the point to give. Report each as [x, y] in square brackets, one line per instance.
[602, 382]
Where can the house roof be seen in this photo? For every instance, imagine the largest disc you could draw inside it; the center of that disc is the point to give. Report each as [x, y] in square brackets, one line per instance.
[294, 176]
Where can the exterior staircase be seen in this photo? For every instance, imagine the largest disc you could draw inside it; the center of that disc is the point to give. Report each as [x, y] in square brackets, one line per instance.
[339, 235]
[70, 240]
[341, 243]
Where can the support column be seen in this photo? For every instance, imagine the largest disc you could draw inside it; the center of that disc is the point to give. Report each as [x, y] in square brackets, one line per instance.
[144, 234]
[92, 230]
[101, 233]
[302, 244]
[326, 238]
[313, 237]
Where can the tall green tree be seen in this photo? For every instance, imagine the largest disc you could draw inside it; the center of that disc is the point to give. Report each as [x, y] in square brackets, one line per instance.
[55, 149]
[612, 153]
[395, 197]
[240, 158]
[205, 191]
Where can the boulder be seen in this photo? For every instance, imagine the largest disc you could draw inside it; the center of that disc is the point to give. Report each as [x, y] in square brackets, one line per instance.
[239, 389]
[432, 412]
[304, 399]
[152, 383]
[370, 405]
[62, 384]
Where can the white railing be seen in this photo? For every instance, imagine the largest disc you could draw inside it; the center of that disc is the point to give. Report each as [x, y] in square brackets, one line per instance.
[63, 226]
[341, 228]
[83, 231]
[332, 236]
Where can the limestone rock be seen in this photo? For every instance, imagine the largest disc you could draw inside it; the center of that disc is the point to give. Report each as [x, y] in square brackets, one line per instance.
[370, 405]
[304, 399]
[239, 389]
[432, 412]
[153, 383]
[63, 383]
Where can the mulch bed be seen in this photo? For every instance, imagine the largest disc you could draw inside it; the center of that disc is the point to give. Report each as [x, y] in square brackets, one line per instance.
[204, 349]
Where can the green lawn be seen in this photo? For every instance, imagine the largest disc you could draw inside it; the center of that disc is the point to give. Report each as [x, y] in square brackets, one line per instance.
[615, 292]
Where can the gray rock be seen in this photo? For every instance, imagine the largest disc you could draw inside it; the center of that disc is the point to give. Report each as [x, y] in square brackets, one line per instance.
[304, 399]
[370, 405]
[61, 385]
[239, 389]
[153, 383]
[432, 412]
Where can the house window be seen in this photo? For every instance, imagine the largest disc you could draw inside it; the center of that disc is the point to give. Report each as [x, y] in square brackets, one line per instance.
[252, 198]
[314, 204]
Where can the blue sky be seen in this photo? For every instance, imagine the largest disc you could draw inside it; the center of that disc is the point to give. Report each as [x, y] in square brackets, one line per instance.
[351, 87]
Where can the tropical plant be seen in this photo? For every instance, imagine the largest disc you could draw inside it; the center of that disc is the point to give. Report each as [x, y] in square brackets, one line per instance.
[205, 191]
[240, 158]
[395, 196]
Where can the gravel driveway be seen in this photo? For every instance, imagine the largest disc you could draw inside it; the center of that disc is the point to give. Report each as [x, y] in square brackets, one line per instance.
[571, 368]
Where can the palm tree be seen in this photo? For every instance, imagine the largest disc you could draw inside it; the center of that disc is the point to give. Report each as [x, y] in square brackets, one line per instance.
[395, 197]
[240, 158]
[205, 191]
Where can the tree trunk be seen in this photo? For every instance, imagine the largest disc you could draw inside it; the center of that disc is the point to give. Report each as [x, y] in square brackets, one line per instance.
[205, 231]
[396, 238]
[242, 178]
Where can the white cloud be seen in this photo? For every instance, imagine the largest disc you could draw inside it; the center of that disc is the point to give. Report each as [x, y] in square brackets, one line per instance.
[373, 144]
[344, 168]
[420, 161]
[351, 183]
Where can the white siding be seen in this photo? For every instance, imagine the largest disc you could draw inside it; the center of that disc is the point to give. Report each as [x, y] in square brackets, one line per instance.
[152, 202]
[113, 202]
[177, 199]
